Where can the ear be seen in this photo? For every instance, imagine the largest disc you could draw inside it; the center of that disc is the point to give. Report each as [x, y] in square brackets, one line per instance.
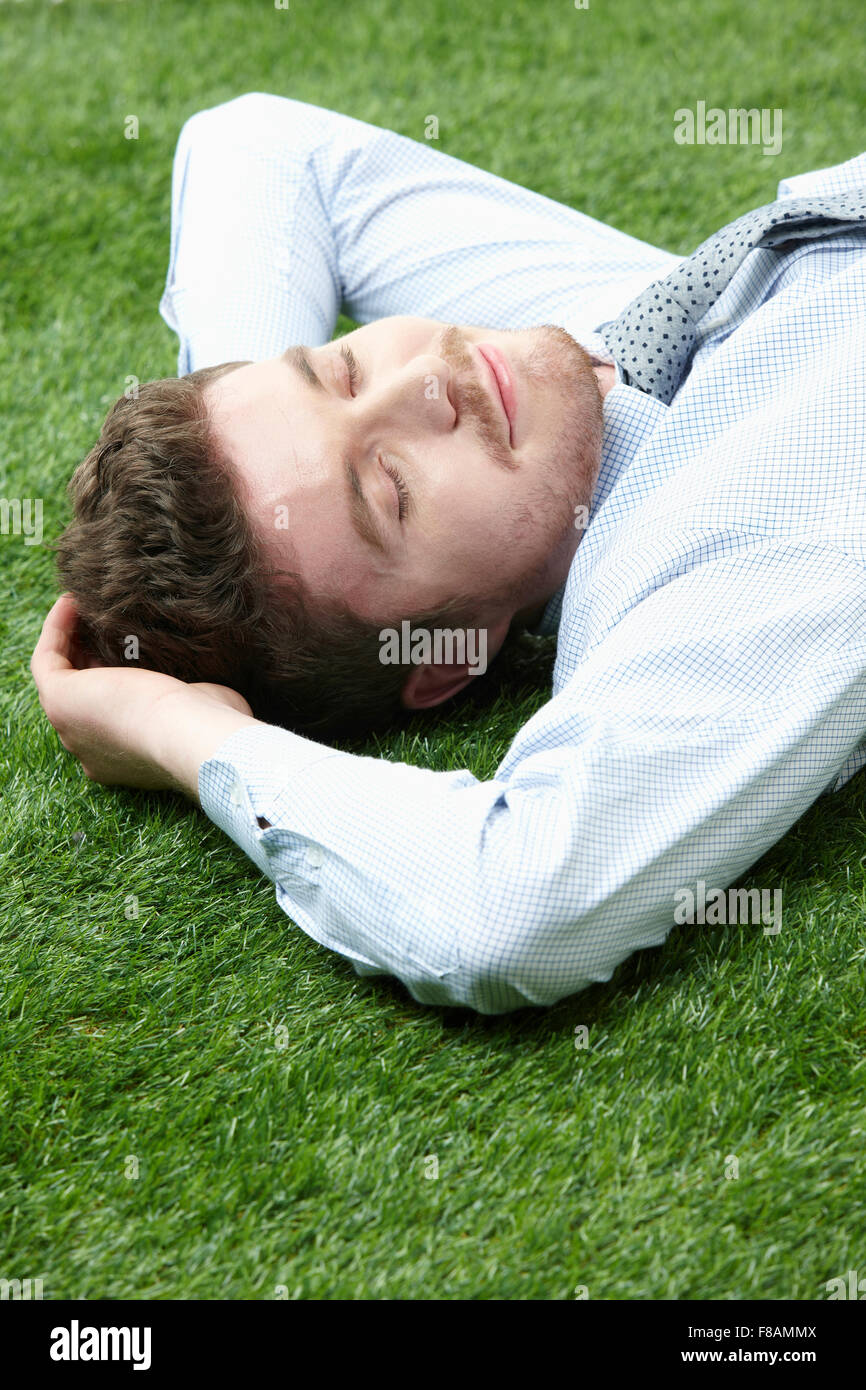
[429, 685]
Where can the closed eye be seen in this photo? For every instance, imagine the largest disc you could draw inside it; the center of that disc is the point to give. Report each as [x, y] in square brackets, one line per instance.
[351, 362]
[402, 490]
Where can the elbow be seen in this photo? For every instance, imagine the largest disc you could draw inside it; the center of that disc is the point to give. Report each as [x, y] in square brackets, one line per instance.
[504, 963]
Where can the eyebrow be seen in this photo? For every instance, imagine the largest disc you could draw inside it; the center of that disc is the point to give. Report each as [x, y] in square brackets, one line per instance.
[297, 357]
[359, 509]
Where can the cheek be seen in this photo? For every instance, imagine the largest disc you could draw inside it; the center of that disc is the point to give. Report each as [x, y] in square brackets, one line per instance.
[392, 342]
[325, 553]
[472, 541]
[340, 572]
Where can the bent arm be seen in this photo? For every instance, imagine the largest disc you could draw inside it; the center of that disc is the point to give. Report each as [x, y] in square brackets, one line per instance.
[682, 748]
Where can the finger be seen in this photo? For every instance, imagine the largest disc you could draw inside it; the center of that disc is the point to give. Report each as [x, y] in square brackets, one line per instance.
[81, 656]
[52, 652]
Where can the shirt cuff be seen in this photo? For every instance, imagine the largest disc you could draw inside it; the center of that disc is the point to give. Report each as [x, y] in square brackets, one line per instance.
[240, 782]
[250, 777]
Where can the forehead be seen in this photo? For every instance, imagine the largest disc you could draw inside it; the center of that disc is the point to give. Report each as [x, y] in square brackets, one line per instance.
[264, 424]
[278, 438]
[235, 398]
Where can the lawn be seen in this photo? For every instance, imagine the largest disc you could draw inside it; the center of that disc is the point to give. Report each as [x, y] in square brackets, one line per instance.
[196, 1100]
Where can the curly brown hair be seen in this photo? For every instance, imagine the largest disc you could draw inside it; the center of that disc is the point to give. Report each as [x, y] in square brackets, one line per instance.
[161, 550]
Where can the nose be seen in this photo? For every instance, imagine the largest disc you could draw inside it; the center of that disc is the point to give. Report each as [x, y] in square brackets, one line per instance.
[416, 398]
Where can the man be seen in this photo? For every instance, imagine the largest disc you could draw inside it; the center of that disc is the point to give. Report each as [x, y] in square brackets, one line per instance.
[709, 682]
[393, 491]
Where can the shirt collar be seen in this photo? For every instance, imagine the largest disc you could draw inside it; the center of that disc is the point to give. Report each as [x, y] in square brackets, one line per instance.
[630, 417]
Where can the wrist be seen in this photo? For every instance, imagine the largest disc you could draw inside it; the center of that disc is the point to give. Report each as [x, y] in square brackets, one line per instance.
[189, 729]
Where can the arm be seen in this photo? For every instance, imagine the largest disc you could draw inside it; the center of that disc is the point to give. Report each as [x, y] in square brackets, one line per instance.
[682, 747]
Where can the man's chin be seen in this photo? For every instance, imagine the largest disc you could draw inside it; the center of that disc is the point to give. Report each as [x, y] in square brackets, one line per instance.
[556, 355]
[566, 374]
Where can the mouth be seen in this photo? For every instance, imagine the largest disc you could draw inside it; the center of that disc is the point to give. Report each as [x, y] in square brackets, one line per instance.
[502, 384]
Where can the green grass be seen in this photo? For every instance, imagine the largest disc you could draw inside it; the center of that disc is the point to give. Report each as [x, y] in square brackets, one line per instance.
[279, 1109]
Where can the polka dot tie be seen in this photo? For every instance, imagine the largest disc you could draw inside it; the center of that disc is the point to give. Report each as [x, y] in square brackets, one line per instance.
[653, 338]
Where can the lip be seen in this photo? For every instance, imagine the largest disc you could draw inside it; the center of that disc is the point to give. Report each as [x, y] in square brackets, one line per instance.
[504, 383]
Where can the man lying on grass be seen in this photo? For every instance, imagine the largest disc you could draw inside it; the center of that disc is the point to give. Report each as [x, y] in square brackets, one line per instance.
[676, 490]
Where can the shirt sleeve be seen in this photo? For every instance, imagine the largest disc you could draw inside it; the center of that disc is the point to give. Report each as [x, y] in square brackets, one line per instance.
[679, 750]
[838, 178]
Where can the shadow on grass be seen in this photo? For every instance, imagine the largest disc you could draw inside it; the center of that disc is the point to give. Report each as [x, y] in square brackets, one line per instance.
[521, 676]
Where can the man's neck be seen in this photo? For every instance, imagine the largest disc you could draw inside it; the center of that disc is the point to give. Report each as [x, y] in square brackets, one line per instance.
[605, 374]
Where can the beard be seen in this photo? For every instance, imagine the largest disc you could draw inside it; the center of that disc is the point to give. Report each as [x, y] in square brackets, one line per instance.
[555, 357]
[566, 475]
[567, 478]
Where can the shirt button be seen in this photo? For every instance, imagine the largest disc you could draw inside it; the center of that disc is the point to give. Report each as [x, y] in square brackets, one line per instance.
[314, 856]
[237, 793]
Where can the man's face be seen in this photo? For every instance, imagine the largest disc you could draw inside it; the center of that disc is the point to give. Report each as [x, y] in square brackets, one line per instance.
[410, 462]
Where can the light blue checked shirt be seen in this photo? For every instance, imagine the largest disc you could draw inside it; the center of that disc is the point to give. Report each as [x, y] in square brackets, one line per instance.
[710, 680]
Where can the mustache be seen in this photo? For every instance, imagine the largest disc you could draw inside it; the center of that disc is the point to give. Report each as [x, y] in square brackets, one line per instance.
[470, 398]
